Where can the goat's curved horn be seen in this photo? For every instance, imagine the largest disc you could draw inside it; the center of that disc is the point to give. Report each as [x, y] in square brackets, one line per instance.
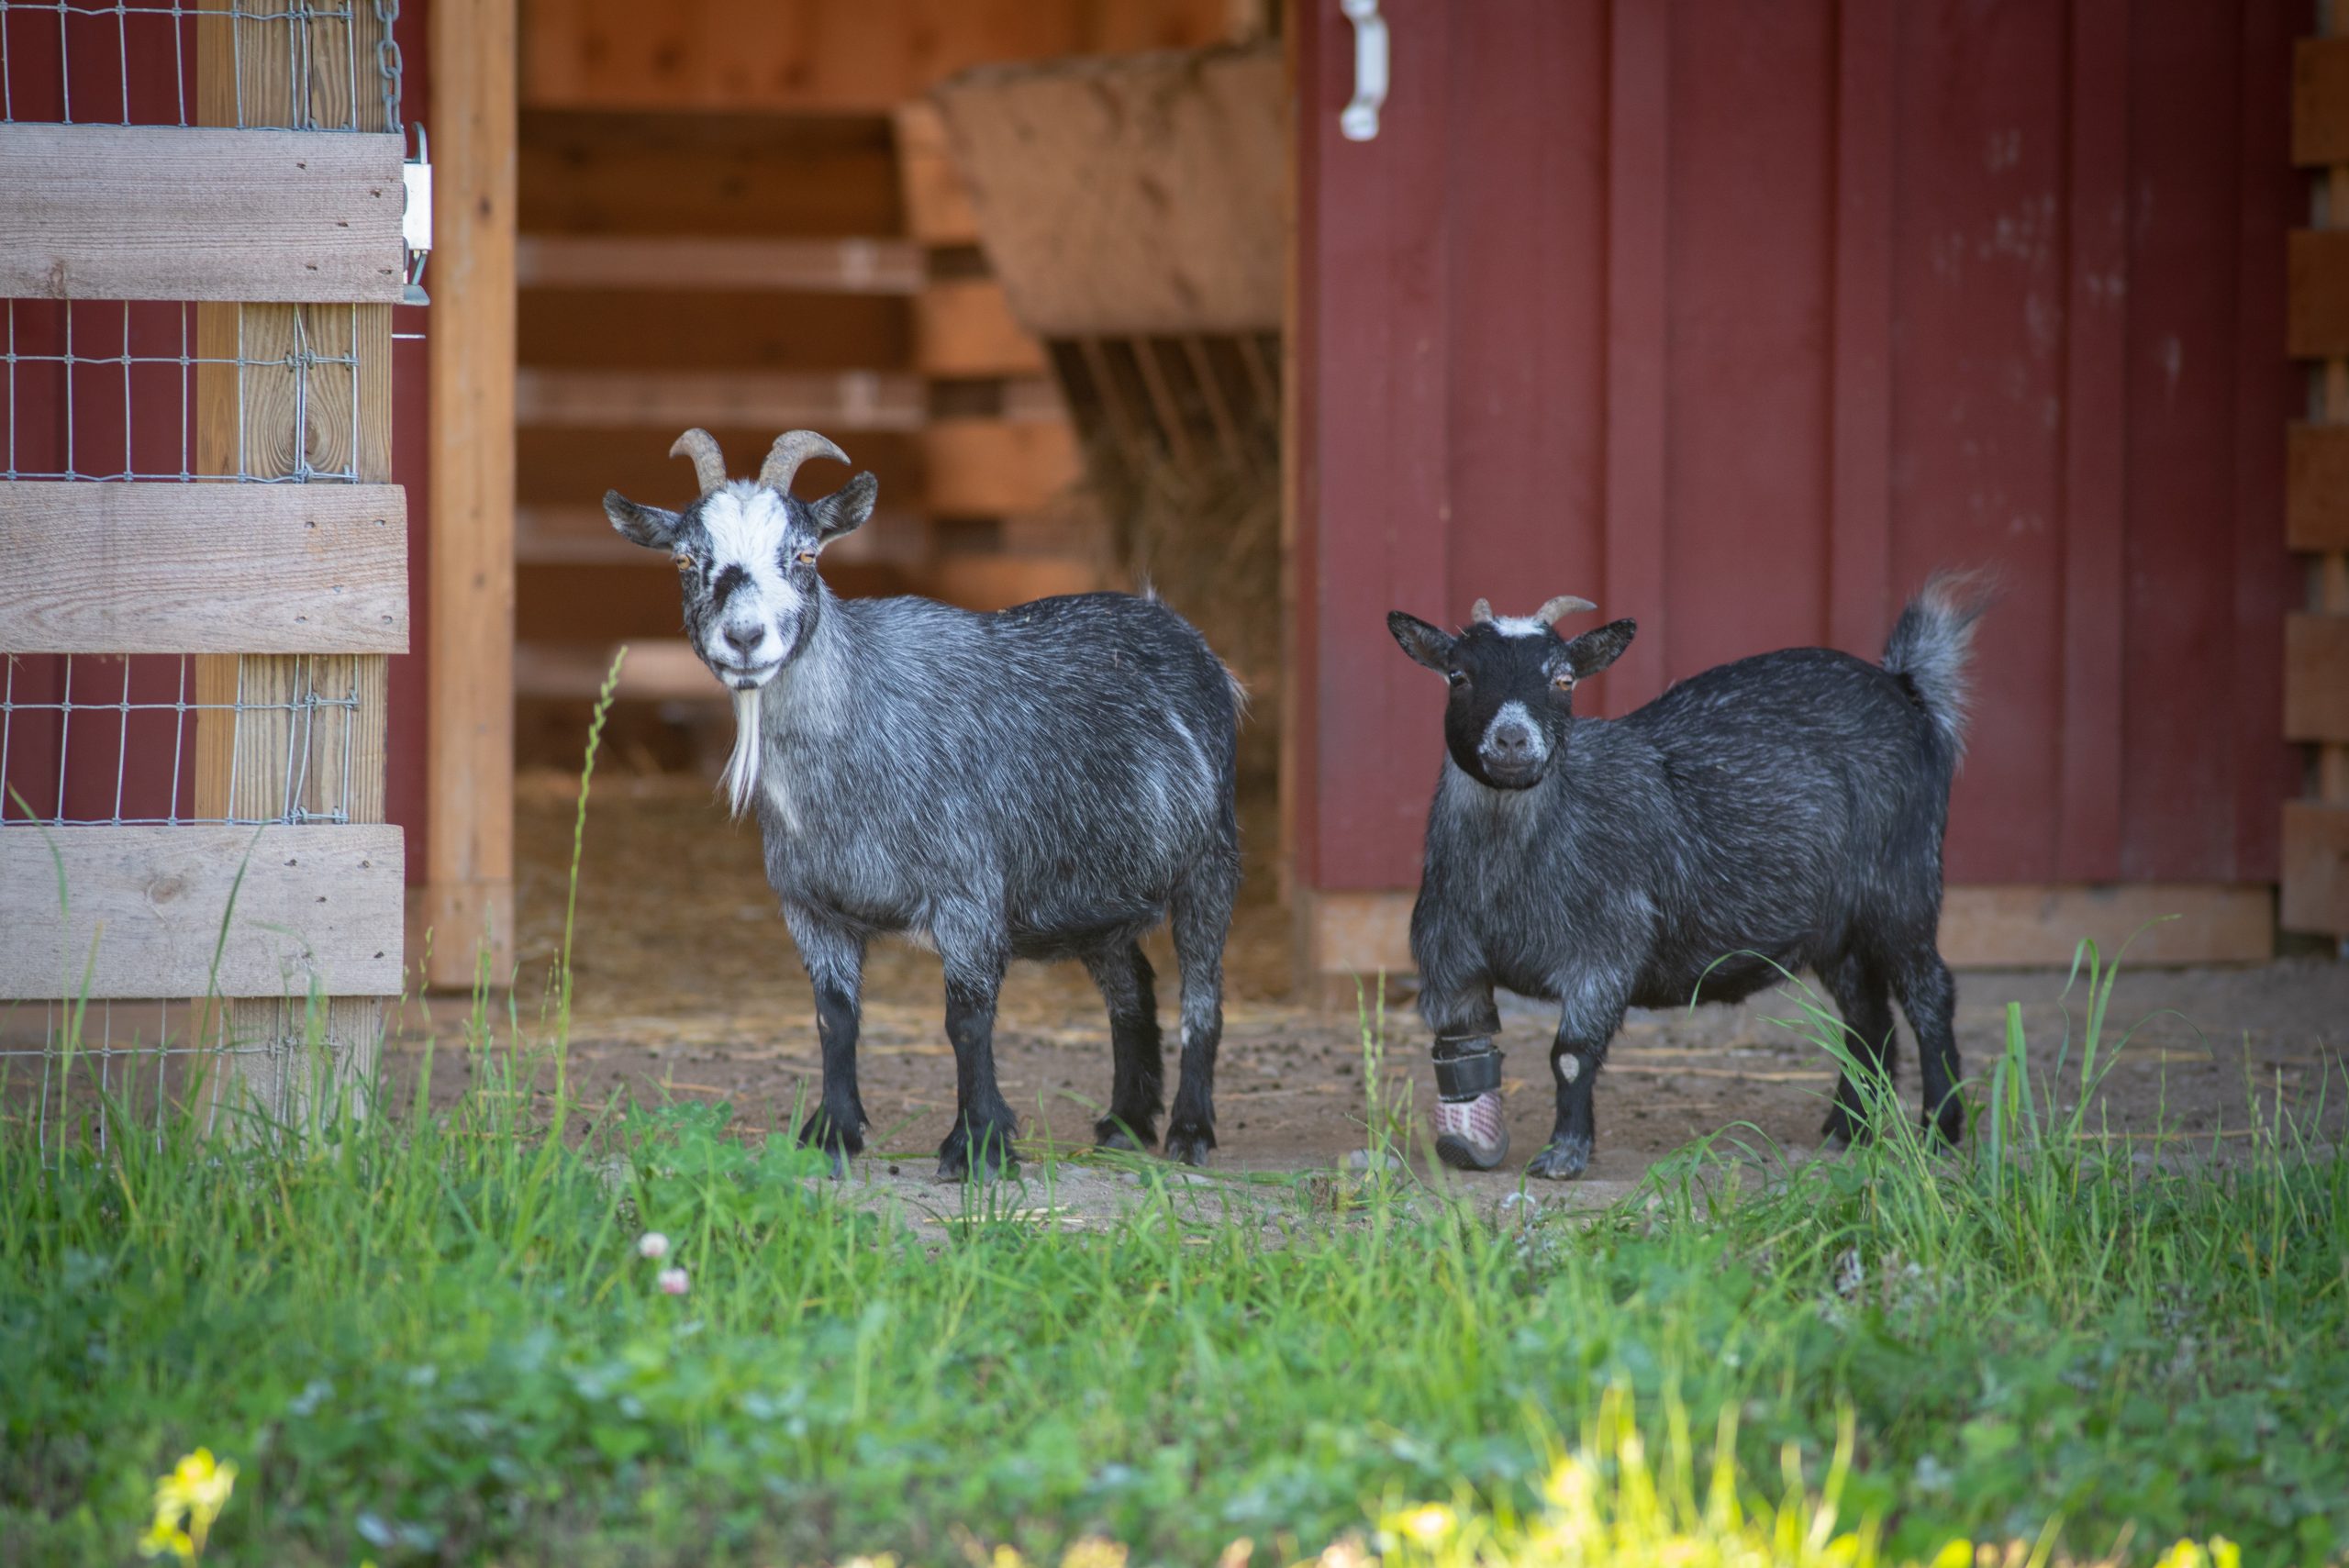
[1482, 610]
[1564, 605]
[710, 463]
[790, 449]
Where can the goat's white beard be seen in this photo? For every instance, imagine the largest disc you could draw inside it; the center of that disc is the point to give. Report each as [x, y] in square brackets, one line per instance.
[742, 780]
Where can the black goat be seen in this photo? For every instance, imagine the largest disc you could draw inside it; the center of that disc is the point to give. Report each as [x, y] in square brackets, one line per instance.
[1048, 782]
[1785, 810]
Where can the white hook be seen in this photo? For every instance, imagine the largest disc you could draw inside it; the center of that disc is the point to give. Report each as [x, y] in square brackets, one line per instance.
[1359, 120]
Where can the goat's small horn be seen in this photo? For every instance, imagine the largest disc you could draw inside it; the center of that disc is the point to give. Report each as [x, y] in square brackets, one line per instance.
[790, 449]
[710, 463]
[1564, 605]
[1482, 610]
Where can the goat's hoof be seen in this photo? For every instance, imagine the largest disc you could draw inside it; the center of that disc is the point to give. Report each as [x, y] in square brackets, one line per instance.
[1116, 1132]
[1189, 1146]
[994, 1156]
[835, 1138]
[1562, 1159]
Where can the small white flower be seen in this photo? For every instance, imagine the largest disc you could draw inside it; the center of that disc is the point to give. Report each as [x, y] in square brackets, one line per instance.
[673, 1282]
[653, 1244]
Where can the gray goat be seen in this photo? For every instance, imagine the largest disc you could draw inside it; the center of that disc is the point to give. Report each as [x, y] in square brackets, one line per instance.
[1048, 782]
[1785, 810]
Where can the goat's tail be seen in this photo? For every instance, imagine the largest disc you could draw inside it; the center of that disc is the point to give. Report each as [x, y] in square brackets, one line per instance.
[1932, 643]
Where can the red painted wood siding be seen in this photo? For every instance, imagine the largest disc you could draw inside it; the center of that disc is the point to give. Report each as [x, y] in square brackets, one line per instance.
[1740, 317]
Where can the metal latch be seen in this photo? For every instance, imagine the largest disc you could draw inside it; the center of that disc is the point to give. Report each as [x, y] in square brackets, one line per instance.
[1359, 120]
[415, 221]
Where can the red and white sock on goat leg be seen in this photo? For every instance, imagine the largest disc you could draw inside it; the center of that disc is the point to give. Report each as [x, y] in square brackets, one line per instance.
[1469, 1133]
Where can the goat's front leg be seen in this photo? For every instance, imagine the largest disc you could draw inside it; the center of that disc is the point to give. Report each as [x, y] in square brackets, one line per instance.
[834, 959]
[1586, 1022]
[980, 1142]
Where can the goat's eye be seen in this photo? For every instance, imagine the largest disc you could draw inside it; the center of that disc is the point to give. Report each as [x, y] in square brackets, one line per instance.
[1564, 679]
[1458, 678]
[807, 558]
[682, 562]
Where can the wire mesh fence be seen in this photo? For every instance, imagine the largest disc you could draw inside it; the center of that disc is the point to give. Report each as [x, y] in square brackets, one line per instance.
[135, 62]
[159, 393]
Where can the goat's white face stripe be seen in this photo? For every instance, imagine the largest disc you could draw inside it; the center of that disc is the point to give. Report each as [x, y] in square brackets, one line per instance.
[1520, 625]
[1515, 713]
[747, 526]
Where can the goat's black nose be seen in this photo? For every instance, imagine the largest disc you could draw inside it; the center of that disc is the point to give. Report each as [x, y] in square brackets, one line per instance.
[1514, 744]
[746, 638]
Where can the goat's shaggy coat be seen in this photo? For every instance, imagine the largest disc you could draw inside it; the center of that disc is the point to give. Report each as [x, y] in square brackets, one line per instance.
[1788, 806]
[1048, 781]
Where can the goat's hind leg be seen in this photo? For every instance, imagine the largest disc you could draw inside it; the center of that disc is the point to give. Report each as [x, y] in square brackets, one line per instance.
[1137, 1073]
[1201, 911]
[1864, 998]
[834, 959]
[1928, 996]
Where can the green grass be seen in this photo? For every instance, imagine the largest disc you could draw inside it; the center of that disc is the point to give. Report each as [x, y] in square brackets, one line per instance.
[426, 1337]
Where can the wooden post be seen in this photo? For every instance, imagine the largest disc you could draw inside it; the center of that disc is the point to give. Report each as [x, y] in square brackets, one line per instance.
[2316, 829]
[467, 901]
[313, 744]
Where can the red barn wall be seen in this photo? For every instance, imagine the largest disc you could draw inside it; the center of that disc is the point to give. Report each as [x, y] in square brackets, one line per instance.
[1741, 317]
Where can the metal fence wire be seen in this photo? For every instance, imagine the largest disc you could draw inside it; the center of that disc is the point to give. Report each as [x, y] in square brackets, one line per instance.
[110, 392]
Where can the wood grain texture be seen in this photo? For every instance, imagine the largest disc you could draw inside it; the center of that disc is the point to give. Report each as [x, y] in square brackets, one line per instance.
[2319, 101]
[937, 204]
[1125, 196]
[985, 468]
[202, 569]
[964, 327]
[468, 893]
[2316, 677]
[676, 400]
[139, 212]
[1983, 927]
[2315, 895]
[2316, 496]
[318, 907]
[644, 261]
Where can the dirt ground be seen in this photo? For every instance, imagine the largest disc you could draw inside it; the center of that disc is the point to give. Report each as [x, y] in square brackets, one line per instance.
[686, 986]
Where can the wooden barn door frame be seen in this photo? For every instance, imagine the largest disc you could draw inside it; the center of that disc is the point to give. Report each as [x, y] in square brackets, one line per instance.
[464, 909]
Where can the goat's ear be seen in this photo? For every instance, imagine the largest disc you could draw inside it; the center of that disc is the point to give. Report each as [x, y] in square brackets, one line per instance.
[647, 525]
[1593, 651]
[845, 509]
[1428, 645]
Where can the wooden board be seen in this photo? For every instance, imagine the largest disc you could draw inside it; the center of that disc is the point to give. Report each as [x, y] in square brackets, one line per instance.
[203, 568]
[737, 175]
[676, 400]
[645, 262]
[2320, 101]
[2316, 494]
[2316, 293]
[821, 55]
[964, 327]
[1119, 197]
[467, 899]
[984, 468]
[710, 329]
[938, 206]
[1982, 926]
[2316, 867]
[140, 212]
[317, 907]
[2316, 677]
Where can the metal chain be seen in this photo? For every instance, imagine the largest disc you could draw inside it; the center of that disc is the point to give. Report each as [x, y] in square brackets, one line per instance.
[387, 63]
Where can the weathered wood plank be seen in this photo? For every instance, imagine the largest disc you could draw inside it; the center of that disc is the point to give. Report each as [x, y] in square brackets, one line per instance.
[203, 568]
[644, 261]
[467, 900]
[673, 400]
[144, 911]
[1983, 927]
[964, 327]
[2316, 487]
[142, 211]
[938, 204]
[2316, 867]
[2316, 293]
[987, 468]
[2319, 101]
[2316, 677]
